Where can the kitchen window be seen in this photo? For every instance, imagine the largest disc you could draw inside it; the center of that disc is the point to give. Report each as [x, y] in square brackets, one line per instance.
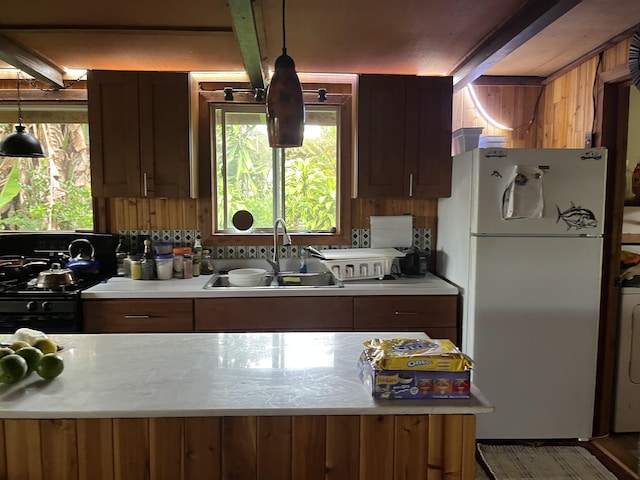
[54, 192]
[298, 184]
[309, 186]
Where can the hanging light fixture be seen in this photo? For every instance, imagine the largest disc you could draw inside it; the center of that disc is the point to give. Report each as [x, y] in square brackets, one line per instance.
[285, 105]
[20, 143]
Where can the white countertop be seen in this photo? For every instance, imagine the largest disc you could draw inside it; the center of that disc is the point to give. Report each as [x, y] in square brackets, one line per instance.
[212, 374]
[119, 287]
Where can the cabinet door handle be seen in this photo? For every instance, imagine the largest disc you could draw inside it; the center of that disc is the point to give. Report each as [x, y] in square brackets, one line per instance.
[411, 184]
[406, 313]
[144, 184]
[137, 316]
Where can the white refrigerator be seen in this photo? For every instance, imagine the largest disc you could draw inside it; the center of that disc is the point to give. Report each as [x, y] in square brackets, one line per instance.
[521, 237]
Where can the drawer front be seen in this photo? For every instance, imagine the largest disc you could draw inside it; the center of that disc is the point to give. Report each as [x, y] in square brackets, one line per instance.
[273, 314]
[140, 315]
[399, 312]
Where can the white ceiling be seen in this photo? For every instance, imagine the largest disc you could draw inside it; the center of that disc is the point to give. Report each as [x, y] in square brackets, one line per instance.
[424, 37]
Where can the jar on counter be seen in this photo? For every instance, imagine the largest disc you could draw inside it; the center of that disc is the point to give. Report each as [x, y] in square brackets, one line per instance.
[164, 266]
[148, 267]
[187, 266]
[206, 264]
[136, 270]
[127, 264]
[178, 261]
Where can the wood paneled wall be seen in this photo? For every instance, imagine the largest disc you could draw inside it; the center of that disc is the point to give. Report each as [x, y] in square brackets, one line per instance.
[152, 214]
[567, 105]
[514, 106]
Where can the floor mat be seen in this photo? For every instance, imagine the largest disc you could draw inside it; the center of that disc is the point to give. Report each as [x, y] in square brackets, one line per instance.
[521, 462]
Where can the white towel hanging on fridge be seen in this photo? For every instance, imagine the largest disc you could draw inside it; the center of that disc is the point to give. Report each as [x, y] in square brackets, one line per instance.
[523, 196]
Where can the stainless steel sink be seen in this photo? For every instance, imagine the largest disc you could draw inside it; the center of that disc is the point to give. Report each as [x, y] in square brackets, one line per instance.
[285, 280]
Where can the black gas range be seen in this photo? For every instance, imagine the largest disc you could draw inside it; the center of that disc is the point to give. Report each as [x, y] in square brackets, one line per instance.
[52, 310]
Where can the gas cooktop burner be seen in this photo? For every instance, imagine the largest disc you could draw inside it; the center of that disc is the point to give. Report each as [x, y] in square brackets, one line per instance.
[17, 287]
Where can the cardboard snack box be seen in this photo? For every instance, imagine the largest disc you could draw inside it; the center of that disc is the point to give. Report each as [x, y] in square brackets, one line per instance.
[413, 384]
[416, 354]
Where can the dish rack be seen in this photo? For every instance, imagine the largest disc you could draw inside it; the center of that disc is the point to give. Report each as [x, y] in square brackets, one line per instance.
[360, 263]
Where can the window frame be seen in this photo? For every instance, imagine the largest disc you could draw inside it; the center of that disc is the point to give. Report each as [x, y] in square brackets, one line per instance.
[340, 94]
[278, 171]
[39, 105]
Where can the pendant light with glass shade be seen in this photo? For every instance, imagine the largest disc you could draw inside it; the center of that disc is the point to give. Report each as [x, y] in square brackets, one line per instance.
[20, 143]
[285, 104]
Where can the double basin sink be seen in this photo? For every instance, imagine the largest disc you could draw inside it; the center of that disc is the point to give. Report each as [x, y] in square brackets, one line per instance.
[284, 280]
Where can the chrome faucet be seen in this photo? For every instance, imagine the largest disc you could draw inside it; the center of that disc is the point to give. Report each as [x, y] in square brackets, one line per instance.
[286, 240]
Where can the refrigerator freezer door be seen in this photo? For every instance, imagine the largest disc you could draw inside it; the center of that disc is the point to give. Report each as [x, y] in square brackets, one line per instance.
[531, 326]
[572, 189]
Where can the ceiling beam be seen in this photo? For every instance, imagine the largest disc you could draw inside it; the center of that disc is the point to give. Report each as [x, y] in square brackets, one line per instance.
[16, 55]
[244, 26]
[525, 24]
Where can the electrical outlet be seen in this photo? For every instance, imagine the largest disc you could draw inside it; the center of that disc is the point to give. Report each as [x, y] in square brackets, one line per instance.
[588, 140]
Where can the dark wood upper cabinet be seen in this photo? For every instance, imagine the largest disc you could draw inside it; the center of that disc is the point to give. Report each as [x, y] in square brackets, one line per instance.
[404, 136]
[142, 129]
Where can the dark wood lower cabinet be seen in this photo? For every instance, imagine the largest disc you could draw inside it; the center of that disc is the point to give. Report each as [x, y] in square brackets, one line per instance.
[273, 314]
[347, 447]
[435, 315]
[142, 315]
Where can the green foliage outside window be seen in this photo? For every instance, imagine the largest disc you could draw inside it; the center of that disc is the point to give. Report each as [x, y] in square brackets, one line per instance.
[50, 193]
[298, 184]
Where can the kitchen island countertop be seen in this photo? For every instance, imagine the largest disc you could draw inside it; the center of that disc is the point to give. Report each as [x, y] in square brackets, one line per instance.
[123, 288]
[212, 374]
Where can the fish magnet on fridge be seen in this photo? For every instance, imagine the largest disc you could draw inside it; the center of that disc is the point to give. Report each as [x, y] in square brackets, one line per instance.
[523, 196]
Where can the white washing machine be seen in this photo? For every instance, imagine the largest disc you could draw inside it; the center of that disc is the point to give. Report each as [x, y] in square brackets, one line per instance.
[626, 417]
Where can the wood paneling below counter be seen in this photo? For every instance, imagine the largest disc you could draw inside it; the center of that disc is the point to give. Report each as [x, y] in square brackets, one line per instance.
[350, 447]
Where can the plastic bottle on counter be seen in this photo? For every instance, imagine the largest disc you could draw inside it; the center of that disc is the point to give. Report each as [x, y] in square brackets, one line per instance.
[197, 257]
[187, 266]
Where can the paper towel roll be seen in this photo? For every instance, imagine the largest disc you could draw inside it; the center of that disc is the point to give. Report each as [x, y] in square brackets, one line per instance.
[391, 231]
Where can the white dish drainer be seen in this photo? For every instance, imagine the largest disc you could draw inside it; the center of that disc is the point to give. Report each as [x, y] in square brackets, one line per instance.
[360, 263]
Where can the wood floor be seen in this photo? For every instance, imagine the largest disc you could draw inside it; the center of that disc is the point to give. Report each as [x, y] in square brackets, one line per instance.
[620, 453]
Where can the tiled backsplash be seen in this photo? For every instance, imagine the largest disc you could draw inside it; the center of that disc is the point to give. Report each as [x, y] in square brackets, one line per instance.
[133, 239]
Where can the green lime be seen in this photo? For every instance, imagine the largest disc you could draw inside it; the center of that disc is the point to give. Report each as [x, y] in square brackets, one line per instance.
[12, 368]
[50, 366]
[5, 351]
[32, 355]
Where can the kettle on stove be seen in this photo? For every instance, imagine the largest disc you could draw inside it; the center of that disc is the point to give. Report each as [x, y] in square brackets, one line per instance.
[414, 263]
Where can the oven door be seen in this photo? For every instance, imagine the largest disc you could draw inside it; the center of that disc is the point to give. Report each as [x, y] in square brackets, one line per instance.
[48, 324]
[45, 314]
